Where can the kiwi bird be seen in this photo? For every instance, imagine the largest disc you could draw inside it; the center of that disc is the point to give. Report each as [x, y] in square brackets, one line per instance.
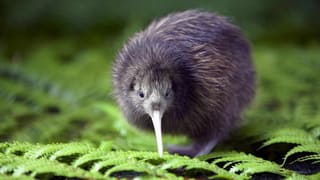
[187, 73]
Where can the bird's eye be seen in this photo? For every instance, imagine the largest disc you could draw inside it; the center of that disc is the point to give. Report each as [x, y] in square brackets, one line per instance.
[141, 94]
[167, 94]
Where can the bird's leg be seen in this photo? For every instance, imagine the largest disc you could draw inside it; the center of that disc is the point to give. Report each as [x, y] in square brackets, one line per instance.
[206, 146]
[182, 150]
[198, 148]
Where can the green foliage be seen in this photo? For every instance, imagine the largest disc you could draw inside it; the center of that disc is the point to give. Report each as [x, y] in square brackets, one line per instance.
[82, 160]
[246, 164]
[58, 119]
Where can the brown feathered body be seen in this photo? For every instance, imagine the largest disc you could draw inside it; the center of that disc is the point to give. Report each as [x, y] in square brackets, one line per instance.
[208, 61]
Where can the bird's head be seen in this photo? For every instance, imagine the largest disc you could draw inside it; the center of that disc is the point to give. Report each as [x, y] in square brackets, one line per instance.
[152, 93]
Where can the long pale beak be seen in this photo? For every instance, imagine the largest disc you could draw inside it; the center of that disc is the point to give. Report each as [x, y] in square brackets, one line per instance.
[156, 116]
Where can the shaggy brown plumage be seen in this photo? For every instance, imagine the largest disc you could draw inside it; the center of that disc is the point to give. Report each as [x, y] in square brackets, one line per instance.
[200, 66]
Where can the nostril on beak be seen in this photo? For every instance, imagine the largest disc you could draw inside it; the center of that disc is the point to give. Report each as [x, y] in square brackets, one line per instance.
[155, 106]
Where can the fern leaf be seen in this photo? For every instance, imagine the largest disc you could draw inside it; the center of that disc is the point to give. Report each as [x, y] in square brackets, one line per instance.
[72, 149]
[10, 177]
[4, 146]
[294, 136]
[314, 176]
[131, 161]
[245, 164]
[21, 166]
[132, 165]
[250, 168]
[19, 147]
[106, 146]
[302, 177]
[140, 167]
[315, 158]
[310, 148]
[107, 163]
[45, 150]
[188, 164]
[91, 156]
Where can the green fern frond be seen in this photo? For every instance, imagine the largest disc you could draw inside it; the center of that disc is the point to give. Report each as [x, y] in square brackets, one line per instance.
[189, 164]
[104, 163]
[123, 161]
[309, 148]
[20, 166]
[4, 146]
[72, 149]
[104, 155]
[246, 164]
[146, 169]
[91, 156]
[132, 165]
[302, 177]
[43, 151]
[289, 135]
[10, 177]
[19, 147]
[108, 163]
[314, 176]
[315, 158]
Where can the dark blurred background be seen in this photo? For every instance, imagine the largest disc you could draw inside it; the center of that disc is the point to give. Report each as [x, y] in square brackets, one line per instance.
[272, 21]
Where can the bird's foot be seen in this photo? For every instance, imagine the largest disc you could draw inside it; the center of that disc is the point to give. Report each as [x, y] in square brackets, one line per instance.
[182, 150]
[196, 149]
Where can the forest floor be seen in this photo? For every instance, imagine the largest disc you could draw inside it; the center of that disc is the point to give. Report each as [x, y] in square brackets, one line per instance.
[59, 120]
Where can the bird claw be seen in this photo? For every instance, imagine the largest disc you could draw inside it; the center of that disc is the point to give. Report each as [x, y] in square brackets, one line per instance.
[193, 150]
[182, 150]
